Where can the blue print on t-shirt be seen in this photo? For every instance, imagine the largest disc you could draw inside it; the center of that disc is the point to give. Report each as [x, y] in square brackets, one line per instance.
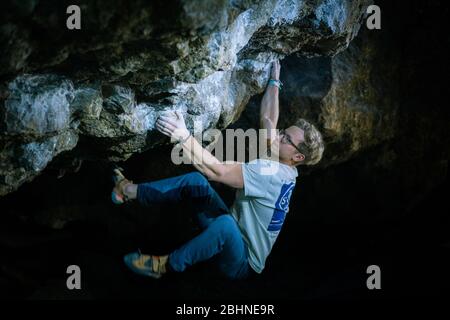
[281, 207]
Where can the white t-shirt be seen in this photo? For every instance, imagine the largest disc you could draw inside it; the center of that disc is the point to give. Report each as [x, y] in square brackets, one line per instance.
[261, 206]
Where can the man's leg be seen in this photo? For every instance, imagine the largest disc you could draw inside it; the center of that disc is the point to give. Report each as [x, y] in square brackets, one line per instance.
[193, 187]
[222, 238]
[221, 235]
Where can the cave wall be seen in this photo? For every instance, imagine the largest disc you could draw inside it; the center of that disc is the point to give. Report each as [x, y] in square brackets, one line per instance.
[95, 93]
[379, 195]
[368, 96]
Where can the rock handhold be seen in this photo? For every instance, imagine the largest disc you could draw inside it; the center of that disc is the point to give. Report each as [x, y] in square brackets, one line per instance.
[38, 105]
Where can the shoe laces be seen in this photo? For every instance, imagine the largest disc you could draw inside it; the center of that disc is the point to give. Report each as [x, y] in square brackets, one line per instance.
[156, 263]
[141, 257]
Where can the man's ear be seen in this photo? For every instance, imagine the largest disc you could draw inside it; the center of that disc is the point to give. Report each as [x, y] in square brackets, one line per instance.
[299, 157]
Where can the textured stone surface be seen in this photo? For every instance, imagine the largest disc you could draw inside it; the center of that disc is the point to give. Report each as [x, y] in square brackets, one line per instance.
[361, 108]
[37, 105]
[384, 205]
[22, 162]
[353, 97]
[109, 81]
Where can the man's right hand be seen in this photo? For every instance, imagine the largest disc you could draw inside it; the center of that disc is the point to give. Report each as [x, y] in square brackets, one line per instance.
[171, 123]
[275, 70]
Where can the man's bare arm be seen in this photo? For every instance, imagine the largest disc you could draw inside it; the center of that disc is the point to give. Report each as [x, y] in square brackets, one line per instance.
[226, 173]
[269, 111]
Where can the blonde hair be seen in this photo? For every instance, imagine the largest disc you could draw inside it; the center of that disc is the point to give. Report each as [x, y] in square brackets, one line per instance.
[312, 147]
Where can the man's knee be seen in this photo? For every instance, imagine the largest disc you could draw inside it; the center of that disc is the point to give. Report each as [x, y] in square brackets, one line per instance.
[196, 185]
[197, 178]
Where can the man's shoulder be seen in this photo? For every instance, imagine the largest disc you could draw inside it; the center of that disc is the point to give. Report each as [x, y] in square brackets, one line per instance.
[263, 161]
[263, 166]
[273, 168]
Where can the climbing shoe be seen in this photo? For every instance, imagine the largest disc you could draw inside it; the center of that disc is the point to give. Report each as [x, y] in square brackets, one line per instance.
[118, 195]
[146, 265]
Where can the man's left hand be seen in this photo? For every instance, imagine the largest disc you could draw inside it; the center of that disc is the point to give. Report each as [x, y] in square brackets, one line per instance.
[275, 70]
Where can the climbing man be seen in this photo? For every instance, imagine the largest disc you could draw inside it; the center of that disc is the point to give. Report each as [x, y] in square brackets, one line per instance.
[241, 237]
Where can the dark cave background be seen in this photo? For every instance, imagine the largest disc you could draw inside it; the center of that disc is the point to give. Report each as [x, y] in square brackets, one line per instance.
[342, 218]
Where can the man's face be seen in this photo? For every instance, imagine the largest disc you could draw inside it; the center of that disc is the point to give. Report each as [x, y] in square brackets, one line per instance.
[286, 142]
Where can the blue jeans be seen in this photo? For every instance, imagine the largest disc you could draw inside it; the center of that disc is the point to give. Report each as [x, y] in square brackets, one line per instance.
[220, 236]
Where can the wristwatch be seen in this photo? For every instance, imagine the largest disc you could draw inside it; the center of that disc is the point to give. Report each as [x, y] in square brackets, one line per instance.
[276, 83]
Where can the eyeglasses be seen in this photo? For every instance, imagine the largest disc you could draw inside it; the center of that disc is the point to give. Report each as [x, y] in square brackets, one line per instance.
[286, 138]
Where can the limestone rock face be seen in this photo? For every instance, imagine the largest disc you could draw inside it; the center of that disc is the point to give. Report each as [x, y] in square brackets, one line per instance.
[97, 92]
[352, 97]
[361, 108]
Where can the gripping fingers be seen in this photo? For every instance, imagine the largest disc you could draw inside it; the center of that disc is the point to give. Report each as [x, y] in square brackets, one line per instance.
[275, 69]
[163, 130]
[167, 120]
[167, 124]
[162, 127]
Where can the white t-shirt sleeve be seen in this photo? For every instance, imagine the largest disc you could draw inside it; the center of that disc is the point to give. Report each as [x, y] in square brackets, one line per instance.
[257, 176]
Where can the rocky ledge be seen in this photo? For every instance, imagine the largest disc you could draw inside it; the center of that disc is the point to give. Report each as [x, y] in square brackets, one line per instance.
[95, 93]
